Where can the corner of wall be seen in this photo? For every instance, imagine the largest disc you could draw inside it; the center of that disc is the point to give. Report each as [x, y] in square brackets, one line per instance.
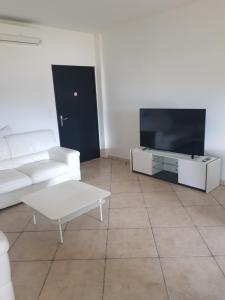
[101, 95]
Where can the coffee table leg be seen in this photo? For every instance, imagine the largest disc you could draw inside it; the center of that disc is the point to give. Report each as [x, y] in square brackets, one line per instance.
[100, 207]
[34, 219]
[60, 232]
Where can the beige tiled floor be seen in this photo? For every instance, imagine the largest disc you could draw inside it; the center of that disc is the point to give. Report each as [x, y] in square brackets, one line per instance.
[83, 244]
[28, 278]
[157, 241]
[127, 243]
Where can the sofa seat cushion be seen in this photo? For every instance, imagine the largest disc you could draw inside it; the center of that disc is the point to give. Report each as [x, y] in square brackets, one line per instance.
[43, 170]
[12, 179]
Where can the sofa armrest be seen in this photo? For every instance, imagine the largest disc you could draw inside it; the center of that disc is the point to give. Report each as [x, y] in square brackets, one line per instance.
[65, 155]
[6, 287]
[4, 244]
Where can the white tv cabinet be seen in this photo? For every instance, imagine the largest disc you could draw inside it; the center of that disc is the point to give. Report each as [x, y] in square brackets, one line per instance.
[201, 172]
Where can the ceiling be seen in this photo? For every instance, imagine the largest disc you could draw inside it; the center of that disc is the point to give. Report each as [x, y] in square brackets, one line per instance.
[84, 15]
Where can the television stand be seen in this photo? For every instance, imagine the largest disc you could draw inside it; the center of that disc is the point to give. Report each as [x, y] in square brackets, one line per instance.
[200, 172]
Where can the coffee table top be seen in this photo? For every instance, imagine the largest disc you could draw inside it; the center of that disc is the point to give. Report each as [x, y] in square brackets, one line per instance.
[61, 200]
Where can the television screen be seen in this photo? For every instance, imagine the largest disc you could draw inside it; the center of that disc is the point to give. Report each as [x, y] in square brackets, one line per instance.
[173, 130]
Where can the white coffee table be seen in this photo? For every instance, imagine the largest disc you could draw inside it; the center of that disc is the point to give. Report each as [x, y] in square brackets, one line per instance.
[65, 201]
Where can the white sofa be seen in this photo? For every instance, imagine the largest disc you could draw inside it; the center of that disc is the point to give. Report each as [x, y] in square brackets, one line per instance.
[6, 287]
[32, 161]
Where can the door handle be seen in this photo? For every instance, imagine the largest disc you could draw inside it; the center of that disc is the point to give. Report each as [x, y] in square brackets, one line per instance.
[62, 120]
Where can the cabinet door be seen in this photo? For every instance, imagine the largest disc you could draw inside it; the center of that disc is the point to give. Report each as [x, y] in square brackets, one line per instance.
[142, 162]
[213, 175]
[192, 173]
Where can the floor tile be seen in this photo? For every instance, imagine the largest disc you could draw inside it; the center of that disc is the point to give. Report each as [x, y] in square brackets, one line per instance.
[28, 278]
[129, 186]
[83, 174]
[14, 221]
[100, 179]
[169, 217]
[154, 186]
[179, 187]
[119, 161]
[83, 244]
[19, 207]
[215, 239]
[190, 198]
[74, 280]
[132, 279]
[193, 278]
[128, 218]
[161, 199]
[143, 177]
[124, 200]
[221, 262]
[123, 164]
[43, 224]
[178, 242]
[99, 162]
[219, 194]
[97, 166]
[132, 267]
[121, 174]
[94, 172]
[207, 215]
[90, 220]
[12, 236]
[102, 184]
[35, 246]
[127, 243]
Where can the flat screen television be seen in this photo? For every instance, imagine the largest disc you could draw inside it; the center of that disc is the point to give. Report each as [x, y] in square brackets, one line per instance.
[173, 130]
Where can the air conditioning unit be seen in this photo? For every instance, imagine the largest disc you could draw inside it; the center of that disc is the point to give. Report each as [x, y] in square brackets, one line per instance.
[21, 39]
[17, 34]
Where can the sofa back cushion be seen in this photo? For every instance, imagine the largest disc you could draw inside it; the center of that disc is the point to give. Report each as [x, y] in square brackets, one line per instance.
[30, 143]
[6, 130]
[5, 161]
[4, 149]
[26, 159]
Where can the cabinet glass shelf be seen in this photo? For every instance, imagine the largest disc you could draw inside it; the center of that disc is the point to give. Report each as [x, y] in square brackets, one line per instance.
[165, 163]
[165, 168]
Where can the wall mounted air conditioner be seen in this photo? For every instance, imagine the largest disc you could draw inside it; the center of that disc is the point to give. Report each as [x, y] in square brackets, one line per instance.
[20, 34]
[21, 39]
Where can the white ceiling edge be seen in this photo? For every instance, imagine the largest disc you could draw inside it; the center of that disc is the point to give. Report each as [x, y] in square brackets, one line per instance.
[150, 15]
[35, 26]
[82, 29]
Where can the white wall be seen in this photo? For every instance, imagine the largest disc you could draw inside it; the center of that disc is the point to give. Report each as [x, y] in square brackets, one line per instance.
[26, 88]
[172, 60]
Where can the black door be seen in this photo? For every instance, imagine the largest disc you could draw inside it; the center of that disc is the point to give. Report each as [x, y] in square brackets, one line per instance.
[76, 105]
